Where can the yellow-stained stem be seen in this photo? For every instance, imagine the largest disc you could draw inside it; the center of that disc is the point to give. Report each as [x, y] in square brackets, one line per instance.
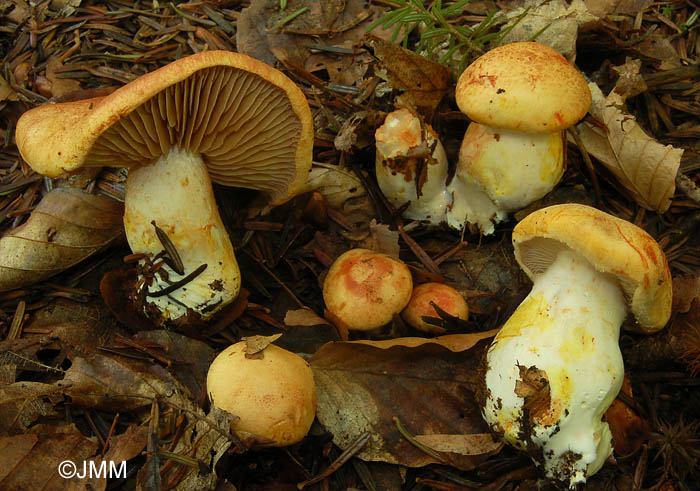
[555, 367]
[175, 192]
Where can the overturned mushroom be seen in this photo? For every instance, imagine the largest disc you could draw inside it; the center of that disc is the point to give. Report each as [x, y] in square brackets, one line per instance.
[520, 97]
[411, 166]
[214, 115]
[555, 366]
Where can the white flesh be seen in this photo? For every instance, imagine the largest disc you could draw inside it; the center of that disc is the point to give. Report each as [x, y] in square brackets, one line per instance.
[568, 328]
[176, 193]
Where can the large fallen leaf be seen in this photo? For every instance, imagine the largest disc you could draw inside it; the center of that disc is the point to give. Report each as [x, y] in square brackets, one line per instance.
[602, 8]
[22, 403]
[66, 227]
[207, 440]
[645, 167]
[189, 358]
[428, 387]
[31, 461]
[557, 23]
[118, 383]
[263, 33]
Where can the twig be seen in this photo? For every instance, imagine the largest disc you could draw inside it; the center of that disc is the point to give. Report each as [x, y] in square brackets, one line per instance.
[423, 448]
[355, 447]
[179, 283]
[589, 164]
[169, 247]
[419, 252]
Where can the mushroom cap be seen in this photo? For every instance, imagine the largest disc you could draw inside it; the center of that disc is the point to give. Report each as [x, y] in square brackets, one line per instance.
[272, 392]
[523, 86]
[610, 244]
[444, 296]
[364, 288]
[251, 124]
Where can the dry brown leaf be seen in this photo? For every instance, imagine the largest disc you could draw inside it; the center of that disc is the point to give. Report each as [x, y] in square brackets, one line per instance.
[31, 461]
[75, 324]
[205, 439]
[190, 357]
[255, 344]
[253, 39]
[21, 403]
[115, 383]
[303, 317]
[322, 17]
[66, 227]
[121, 448]
[423, 81]
[258, 36]
[659, 47]
[686, 288]
[475, 444]
[59, 86]
[362, 388]
[453, 342]
[560, 21]
[7, 93]
[602, 8]
[629, 82]
[645, 167]
[335, 184]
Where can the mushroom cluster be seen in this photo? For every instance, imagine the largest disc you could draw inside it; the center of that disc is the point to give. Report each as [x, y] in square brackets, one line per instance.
[365, 289]
[213, 116]
[555, 366]
[520, 98]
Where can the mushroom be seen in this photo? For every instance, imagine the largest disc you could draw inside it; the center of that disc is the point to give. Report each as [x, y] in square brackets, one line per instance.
[521, 97]
[421, 305]
[555, 366]
[272, 392]
[411, 166]
[364, 289]
[214, 115]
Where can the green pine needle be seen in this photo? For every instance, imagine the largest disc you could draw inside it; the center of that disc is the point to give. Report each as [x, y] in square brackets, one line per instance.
[442, 39]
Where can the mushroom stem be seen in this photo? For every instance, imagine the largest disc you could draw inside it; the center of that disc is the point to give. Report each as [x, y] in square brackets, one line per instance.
[555, 367]
[175, 192]
[501, 171]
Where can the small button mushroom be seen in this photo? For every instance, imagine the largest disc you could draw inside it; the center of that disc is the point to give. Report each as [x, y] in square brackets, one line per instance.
[521, 97]
[364, 288]
[555, 366]
[411, 165]
[213, 116]
[444, 296]
[272, 392]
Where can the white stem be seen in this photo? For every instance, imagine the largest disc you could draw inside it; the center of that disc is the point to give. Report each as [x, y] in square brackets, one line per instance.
[176, 193]
[501, 171]
[564, 335]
